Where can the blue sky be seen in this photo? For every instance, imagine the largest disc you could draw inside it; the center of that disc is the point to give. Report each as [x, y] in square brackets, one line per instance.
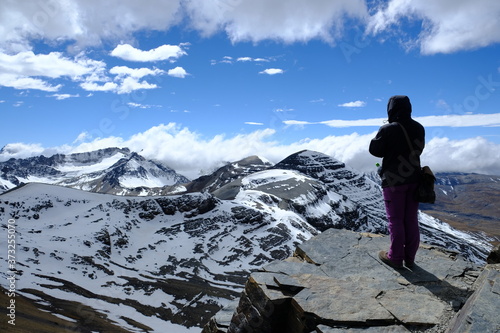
[198, 83]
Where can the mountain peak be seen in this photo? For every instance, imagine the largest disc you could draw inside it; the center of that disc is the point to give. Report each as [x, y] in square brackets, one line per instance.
[312, 163]
[109, 170]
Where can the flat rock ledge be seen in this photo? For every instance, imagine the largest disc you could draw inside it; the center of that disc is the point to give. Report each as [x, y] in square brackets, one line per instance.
[336, 283]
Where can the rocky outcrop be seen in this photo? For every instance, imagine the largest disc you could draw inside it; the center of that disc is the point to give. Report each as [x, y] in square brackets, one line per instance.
[494, 256]
[336, 283]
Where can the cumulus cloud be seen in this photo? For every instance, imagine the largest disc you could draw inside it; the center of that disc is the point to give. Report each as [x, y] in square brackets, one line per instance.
[61, 97]
[92, 22]
[447, 26]
[125, 81]
[93, 86]
[470, 155]
[355, 104]
[23, 82]
[27, 70]
[129, 84]
[288, 21]
[81, 21]
[163, 52]
[124, 71]
[177, 72]
[272, 71]
[195, 155]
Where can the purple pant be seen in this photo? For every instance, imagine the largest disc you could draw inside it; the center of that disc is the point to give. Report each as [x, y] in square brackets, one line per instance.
[402, 213]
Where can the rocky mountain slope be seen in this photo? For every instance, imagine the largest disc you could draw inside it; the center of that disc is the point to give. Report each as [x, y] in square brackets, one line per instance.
[468, 202]
[168, 263]
[111, 170]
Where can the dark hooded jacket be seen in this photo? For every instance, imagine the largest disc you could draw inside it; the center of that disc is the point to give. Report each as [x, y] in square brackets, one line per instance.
[400, 164]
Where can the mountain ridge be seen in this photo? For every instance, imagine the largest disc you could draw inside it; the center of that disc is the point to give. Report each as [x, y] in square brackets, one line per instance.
[110, 170]
[174, 261]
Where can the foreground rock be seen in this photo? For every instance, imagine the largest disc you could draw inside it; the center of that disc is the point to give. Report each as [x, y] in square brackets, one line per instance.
[336, 283]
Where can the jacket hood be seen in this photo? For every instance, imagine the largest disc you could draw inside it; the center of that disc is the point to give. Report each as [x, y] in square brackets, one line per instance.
[398, 108]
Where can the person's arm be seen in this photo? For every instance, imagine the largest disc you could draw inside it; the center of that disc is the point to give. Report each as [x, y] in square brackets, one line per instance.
[377, 145]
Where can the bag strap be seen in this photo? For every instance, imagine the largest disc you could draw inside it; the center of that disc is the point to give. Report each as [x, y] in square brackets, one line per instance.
[407, 137]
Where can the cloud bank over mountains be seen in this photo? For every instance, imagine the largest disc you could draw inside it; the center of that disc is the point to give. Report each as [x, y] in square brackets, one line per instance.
[192, 155]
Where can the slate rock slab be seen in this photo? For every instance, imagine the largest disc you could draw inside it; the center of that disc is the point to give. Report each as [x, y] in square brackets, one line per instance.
[336, 283]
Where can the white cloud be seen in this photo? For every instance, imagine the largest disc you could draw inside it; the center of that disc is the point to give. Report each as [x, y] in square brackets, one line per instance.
[53, 65]
[82, 137]
[125, 81]
[93, 86]
[82, 21]
[272, 71]
[288, 21]
[24, 150]
[356, 104]
[244, 59]
[123, 71]
[195, 153]
[177, 72]
[283, 110]
[448, 26]
[23, 82]
[25, 70]
[130, 84]
[253, 123]
[230, 60]
[470, 155]
[163, 52]
[142, 106]
[466, 120]
[60, 97]
[296, 122]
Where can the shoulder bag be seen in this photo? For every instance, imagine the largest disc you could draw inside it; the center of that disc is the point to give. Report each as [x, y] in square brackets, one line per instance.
[425, 191]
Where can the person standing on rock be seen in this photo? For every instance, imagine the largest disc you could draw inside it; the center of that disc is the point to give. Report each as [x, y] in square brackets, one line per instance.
[400, 172]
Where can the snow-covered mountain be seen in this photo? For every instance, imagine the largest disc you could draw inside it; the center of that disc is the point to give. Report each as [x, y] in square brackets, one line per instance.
[111, 170]
[168, 263]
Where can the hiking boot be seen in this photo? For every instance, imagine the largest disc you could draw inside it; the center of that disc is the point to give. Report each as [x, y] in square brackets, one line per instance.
[409, 264]
[386, 260]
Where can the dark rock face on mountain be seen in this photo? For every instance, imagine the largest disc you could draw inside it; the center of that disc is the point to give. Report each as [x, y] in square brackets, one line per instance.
[227, 174]
[336, 283]
[340, 179]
